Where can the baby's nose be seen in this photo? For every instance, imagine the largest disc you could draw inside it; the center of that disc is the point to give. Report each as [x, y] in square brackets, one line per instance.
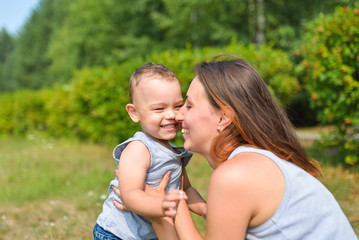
[170, 114]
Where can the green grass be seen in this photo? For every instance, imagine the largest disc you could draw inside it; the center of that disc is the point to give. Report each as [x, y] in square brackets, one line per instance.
[54, 189]
[51, 189]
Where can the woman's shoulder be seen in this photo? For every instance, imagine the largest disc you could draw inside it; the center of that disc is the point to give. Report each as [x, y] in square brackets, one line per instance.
[242, 170]
[245, 164]
[231, 195]
[252, 177]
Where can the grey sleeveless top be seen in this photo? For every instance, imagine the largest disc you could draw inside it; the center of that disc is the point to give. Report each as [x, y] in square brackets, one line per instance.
[128, 225]
[308, 211]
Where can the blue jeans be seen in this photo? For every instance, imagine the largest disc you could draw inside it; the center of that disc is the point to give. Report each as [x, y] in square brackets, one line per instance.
[101, 234]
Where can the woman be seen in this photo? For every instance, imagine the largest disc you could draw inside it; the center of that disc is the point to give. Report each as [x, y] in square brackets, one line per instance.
[263, 185]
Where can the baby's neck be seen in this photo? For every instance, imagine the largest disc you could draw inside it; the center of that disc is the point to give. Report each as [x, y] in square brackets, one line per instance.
[164, 143]
[167, 145]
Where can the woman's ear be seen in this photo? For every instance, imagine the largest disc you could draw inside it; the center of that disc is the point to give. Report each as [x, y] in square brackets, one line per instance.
[225, 119]
[131, 110]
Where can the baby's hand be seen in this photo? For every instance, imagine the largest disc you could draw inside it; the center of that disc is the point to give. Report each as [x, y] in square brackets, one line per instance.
[170, 202]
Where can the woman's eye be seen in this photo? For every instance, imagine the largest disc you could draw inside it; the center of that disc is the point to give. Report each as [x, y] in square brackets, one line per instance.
[188, 106]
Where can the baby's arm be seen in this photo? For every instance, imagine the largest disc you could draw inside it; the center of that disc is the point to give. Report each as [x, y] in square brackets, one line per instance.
[195, 201]
[133, 165]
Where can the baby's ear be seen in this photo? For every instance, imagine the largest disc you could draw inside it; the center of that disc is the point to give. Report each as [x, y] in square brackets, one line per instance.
[131, 110]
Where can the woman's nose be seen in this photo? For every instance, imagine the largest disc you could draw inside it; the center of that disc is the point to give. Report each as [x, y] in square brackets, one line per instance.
[180, 114]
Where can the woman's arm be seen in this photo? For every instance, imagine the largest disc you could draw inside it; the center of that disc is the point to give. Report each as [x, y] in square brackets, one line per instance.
[228, 208]
[174, 205]
[244, 191]
[228, 211]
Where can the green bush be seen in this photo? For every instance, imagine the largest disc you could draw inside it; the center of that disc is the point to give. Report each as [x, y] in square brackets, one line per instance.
[273, 65]
[92, 105]
[330, 69]
[23, 111]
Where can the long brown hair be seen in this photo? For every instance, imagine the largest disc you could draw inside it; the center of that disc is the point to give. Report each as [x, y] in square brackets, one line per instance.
[257, 119]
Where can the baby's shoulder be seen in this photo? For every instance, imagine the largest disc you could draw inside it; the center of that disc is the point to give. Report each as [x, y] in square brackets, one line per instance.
[136, 147]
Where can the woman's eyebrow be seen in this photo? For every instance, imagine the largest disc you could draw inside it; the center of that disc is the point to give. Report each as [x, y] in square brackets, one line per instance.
[188, 99]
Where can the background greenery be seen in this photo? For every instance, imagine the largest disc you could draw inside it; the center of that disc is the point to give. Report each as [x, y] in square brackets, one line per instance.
[91, 106]
[63, 35]
[66, 71]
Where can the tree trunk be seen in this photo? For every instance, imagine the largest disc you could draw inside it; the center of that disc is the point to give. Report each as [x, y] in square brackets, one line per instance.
[260, 36]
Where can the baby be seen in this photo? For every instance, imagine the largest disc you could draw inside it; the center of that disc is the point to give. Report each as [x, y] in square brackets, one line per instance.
[156, 97]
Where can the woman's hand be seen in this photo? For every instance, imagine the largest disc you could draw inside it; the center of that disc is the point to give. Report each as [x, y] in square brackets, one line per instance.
[117, 204]
[159, 191]
[171, 200]
[117, 191]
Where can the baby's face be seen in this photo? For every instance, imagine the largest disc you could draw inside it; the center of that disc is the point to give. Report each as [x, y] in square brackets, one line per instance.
[157, 102]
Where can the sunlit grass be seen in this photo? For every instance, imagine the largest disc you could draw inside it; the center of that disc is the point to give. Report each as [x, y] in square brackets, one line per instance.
[51, 189]
[39, 167]
[54, 189]
[344, 185]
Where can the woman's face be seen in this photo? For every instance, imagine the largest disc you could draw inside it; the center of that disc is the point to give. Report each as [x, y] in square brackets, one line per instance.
[199, 120]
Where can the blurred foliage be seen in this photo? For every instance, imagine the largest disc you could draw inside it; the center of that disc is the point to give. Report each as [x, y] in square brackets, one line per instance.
[6, 47]
[101, 33]
[92, 105]
[62, 36]
[273, 65]
[83, 52]
[27, 67]
[330, 69]
[23, 111]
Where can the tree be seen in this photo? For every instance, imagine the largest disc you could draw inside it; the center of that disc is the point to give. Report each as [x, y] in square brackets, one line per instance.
[285, 19]
[331, 75]
[62, 36]
[6, 47]
[202, 23]
[100, 33]
[28, 63]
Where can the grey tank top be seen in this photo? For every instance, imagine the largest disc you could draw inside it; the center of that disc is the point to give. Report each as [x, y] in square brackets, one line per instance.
[308, 211]
[128, 225]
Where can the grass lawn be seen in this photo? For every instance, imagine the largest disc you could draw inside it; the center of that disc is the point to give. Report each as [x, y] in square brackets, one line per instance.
[54, 189]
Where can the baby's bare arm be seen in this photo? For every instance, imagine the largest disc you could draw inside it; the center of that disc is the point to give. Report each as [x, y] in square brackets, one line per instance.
[134, 163]
[195, 201]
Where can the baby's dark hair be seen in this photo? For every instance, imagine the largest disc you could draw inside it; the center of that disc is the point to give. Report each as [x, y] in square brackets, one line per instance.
[148, 70]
